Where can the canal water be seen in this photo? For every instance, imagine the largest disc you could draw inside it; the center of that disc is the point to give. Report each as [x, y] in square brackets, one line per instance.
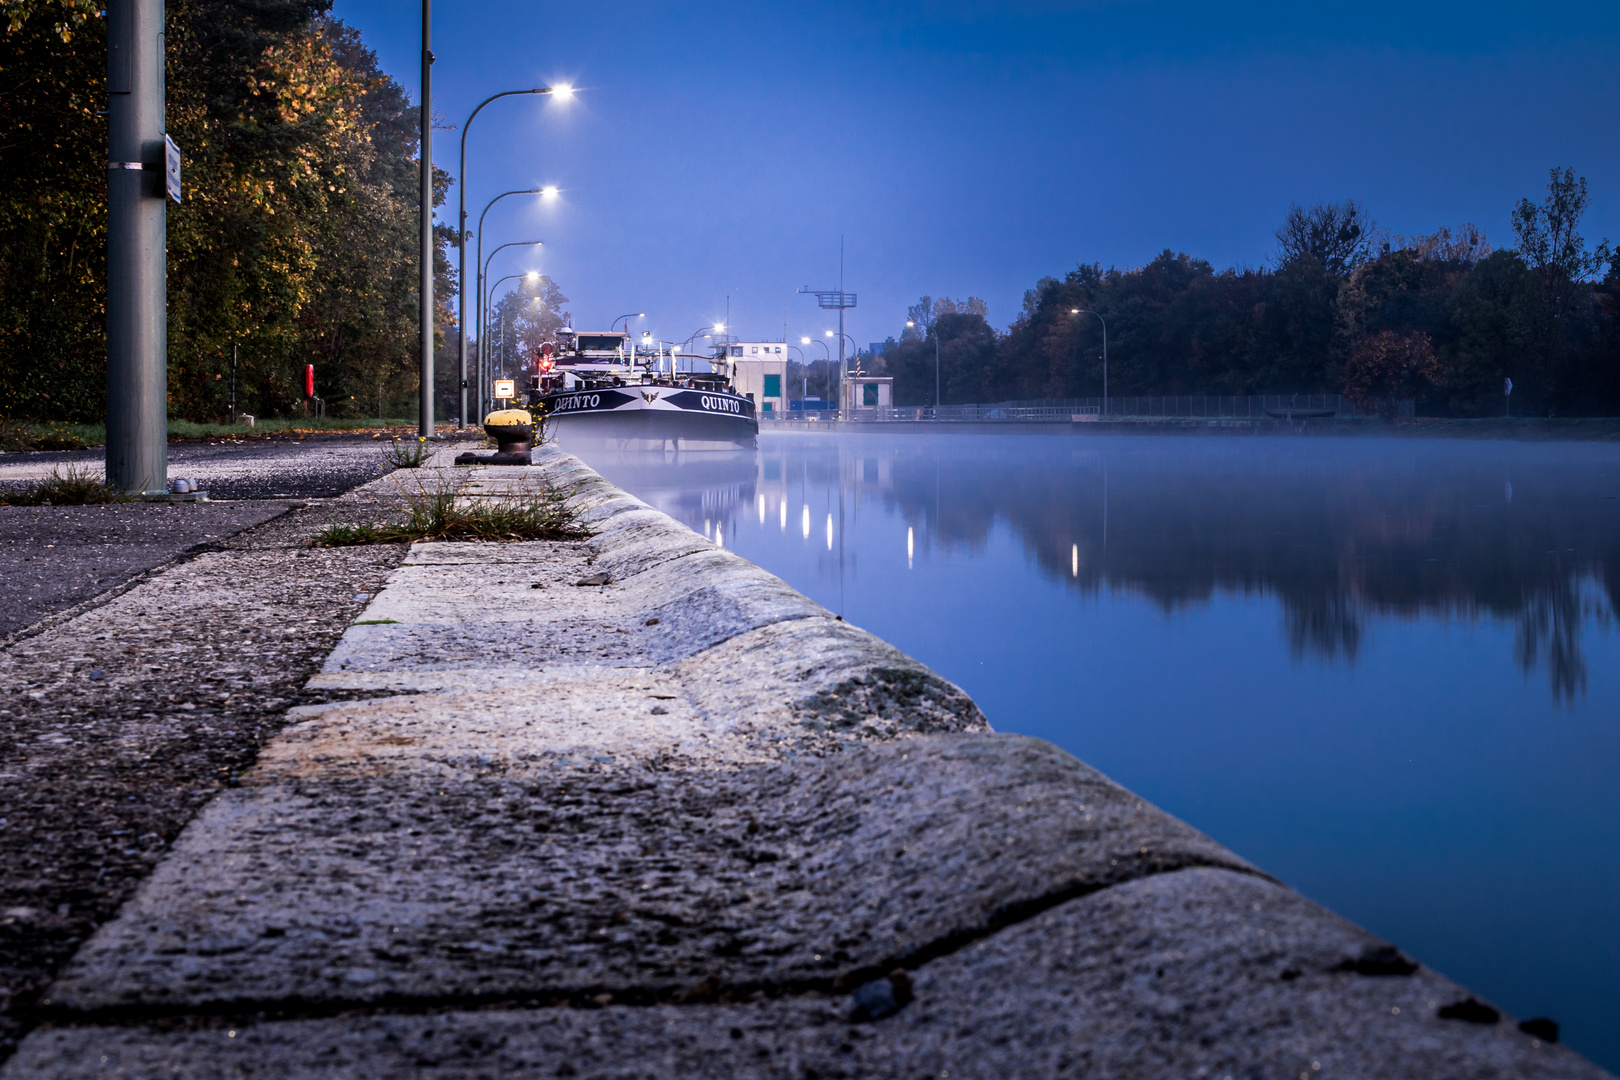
[1385, 670]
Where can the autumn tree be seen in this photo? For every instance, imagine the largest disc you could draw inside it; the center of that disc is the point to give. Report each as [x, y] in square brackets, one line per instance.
[296, 240]
[1388, 366]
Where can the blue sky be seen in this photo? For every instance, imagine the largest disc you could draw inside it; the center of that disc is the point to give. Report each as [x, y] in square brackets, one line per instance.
[962, 148]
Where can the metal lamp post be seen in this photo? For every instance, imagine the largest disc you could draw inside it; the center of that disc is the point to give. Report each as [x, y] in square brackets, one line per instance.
[627, 318]
[489, 364]
[478, 298]
[425, 414]
[804, 373]
[483, 272]
[935, 334]
[843, 374]
[692, 338]
[461, 223]
[137, 265]
[1083, 311]
[828, 350]
[485, 375]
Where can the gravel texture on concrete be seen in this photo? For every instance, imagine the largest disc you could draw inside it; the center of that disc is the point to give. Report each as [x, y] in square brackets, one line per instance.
[631, 807]
[1200, 973]
[53, 557]
[311, 466]
[126, 713]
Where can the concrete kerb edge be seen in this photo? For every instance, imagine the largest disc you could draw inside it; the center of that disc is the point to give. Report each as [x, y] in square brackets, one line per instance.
[846, 650]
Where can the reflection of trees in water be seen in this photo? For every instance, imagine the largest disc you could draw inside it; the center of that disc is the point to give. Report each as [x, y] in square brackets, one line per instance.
[1327, 625]
[1550, 625]
[1338, 537]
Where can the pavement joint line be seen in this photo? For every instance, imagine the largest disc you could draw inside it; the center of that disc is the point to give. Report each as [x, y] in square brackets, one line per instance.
[704, 992]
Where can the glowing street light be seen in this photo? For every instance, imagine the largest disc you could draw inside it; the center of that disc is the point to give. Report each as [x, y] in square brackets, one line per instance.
[1083, 311]
[561, 92]
[937, 403]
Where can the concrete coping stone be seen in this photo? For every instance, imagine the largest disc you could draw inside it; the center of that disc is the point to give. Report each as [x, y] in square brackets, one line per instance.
[688, 822]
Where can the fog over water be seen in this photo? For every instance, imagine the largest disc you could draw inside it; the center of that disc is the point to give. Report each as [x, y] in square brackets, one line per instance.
[1386, 670]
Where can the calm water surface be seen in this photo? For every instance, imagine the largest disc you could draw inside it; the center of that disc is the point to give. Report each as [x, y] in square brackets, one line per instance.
[1387, 671]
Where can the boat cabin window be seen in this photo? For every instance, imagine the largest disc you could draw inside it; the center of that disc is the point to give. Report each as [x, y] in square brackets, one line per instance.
[600, 343]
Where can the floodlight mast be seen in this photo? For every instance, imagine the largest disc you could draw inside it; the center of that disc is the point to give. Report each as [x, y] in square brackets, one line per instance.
[840, 301]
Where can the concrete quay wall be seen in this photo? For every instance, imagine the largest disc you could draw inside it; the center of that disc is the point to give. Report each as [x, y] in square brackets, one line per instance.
[631, 806]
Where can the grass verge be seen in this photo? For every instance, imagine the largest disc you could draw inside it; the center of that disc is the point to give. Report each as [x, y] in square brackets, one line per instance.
[435, 515]
[76, 487]
[23, 435]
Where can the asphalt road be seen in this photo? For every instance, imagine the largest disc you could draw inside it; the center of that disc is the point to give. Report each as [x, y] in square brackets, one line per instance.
[291, 467]
[52, 557]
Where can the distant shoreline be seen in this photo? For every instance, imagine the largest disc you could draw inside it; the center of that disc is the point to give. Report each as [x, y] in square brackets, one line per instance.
[1525, 429]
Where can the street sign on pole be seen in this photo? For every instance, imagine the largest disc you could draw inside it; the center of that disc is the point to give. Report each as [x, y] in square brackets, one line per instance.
[171, 168]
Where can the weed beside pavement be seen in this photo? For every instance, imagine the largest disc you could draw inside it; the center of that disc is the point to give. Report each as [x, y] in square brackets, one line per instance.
[436, 515]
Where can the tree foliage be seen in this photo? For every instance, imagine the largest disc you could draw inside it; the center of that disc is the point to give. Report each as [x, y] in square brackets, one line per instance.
[296, 241]
[1345, 308]
[522, 320]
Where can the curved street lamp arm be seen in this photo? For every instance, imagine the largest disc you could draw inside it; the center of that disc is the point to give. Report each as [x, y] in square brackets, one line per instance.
[1084, 311]
[483, 274]
[478, 293]
[461, 237]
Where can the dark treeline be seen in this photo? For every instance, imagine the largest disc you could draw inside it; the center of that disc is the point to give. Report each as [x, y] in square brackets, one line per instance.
[1440, 318]
[296, 241]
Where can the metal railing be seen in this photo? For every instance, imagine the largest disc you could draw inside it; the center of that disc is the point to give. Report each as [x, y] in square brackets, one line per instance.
[1286, 407]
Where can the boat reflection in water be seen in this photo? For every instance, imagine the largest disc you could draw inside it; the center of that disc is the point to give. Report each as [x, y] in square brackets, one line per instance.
[1384, 669]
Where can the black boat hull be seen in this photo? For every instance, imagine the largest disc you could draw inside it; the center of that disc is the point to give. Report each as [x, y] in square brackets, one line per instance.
[651, 418]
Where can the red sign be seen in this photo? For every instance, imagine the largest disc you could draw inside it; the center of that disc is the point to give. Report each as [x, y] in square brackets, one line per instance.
[309, 380]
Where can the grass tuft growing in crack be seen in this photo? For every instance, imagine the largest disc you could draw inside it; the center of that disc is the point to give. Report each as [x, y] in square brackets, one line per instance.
[436, 515]
[407, 455]
[76, 487]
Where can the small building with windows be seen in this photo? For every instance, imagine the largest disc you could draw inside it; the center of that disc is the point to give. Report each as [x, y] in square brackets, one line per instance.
[866, 393]
[760, 374]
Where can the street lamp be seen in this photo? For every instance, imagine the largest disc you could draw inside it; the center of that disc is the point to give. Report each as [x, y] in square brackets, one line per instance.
[934, 333]
[828, 350]
[484, 375]
[1083, 311]
[483, 273]
[841, 371]
[804, 372]
[632, 315]
[478, 293]
[461, 220]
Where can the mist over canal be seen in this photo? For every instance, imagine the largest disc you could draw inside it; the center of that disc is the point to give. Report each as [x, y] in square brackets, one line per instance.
[1385, 670]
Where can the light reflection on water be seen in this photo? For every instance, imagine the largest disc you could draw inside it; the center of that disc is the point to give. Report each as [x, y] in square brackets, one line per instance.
[1384, 670]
